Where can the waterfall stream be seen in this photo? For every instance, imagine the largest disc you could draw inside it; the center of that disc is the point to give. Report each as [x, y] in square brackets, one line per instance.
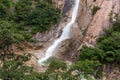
[65, 34]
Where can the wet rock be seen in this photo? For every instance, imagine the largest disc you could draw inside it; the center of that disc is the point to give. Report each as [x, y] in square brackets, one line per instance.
[67, 6]
[62, 50]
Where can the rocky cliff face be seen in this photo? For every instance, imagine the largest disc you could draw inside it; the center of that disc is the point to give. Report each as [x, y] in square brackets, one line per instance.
[86, 30]
[95, 24]
[89, 27]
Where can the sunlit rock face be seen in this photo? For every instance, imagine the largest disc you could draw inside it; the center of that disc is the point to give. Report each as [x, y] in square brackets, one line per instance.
[101, 20]
[91, 26]
[85, 30]
[87, 27]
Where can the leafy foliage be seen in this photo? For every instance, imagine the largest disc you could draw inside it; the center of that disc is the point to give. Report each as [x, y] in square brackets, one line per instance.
[30, 17]
[87, 67]
[56, 64]
[8, 36]
[42, 17]
[39, 16]
[95, 9]
[107, 51]
[5, 8]
[27, 18]
[91, 54]
[22, 8]
[15, 27]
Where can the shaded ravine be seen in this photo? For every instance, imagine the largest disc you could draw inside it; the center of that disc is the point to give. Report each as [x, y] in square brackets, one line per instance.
[65, 35]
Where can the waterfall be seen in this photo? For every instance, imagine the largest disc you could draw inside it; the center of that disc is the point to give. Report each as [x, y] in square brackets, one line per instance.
[65, 34]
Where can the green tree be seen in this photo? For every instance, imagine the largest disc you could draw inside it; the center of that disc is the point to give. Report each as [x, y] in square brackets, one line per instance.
[57, 70]
[22, 8]
[88, 67]
[42, 17]
[12, 66]
[106, 51]
[5, 8]
[8, 36]
[88, 53]
[95, 9]
[56, 64]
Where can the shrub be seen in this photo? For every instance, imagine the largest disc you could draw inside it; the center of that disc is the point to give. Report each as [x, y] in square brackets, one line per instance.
[91, 54]
[88, 67]
[56, 64]
[41, 18]
[5, 8]
[95, 9]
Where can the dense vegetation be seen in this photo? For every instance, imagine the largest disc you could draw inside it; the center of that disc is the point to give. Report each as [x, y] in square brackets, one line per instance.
[38, 16]
[91, 60]
[18, 21]
[29, 16]
[106, 52]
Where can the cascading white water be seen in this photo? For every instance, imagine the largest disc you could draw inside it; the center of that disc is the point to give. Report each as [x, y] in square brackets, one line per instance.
[65, 34]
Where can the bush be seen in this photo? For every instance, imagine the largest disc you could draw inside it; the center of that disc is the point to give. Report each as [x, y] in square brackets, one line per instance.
[95, 9]
[88, 67]
[41, 18]
[5, 8]
[37, 16]
[88, 53]
[56, 64]
[22, 8]
[106, 52]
